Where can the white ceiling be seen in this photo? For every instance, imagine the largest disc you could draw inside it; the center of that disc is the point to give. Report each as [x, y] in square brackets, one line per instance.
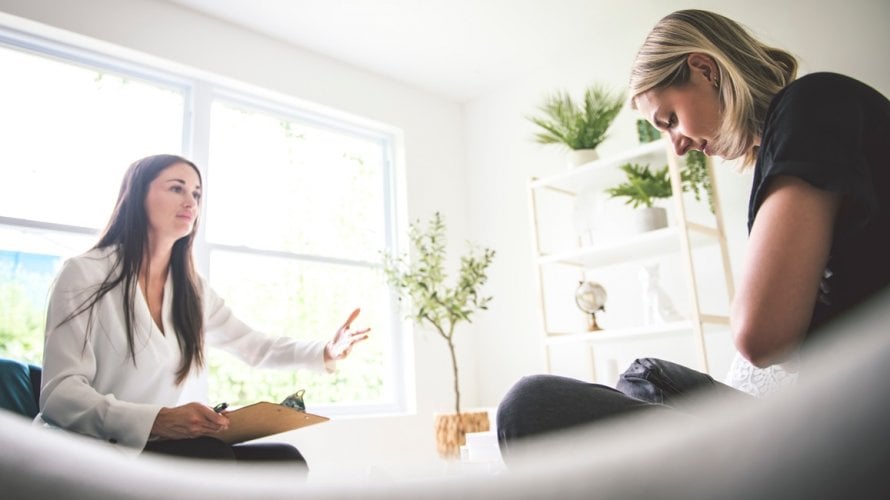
[458, 49]
[461, 49]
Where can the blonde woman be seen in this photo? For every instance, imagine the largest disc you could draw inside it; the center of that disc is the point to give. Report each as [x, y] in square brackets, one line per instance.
[818, 219]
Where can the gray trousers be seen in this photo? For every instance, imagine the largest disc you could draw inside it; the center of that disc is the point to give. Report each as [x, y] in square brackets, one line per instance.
[538, 404]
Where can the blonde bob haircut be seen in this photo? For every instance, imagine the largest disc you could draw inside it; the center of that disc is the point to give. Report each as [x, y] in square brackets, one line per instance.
[749, 73]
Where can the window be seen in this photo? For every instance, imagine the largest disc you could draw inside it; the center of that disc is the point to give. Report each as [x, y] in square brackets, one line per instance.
[70, 129]
[298, 207]
[298, 221]
[29, 260]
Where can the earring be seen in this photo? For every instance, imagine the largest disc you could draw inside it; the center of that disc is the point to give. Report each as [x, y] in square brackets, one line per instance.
[716, 83]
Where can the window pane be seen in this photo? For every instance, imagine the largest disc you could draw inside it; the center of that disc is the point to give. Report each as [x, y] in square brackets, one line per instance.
[272, 182]
[308, 300]
[279, 184]
[69, 132]
[29, 261]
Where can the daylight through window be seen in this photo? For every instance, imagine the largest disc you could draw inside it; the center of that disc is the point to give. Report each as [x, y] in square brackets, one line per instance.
[298, 208]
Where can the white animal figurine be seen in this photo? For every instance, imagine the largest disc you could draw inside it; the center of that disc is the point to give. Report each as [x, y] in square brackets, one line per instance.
[657, 305]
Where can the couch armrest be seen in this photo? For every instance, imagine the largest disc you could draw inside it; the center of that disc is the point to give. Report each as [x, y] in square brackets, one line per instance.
[19, 387]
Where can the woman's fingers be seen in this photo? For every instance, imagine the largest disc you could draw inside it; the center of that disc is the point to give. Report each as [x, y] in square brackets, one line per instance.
[358, 336]
[344, 339]
[188, 421]
[217, 420]
[351, 319]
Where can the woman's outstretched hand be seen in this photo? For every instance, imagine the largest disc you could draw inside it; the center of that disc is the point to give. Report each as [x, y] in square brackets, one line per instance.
[188, 421]
[344, 339]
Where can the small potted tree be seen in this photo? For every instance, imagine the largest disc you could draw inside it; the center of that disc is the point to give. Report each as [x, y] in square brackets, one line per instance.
[422, 282]
[578, 126]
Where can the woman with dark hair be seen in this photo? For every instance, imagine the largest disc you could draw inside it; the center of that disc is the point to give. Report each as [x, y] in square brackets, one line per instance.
[818, 218]
[129, 320]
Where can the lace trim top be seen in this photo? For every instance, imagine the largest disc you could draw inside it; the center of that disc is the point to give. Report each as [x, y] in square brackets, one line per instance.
[758, 382]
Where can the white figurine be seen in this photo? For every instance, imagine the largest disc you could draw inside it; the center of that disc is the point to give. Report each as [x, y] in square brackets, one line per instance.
[657, 305]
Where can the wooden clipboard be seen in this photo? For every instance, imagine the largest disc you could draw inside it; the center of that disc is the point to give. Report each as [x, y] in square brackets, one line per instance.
[264, 419]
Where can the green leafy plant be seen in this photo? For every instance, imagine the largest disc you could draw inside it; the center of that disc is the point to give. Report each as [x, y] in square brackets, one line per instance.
[644, 185]
[646, 132]
[422, 281]
[697, 178]
[21, 325]
[577, 125]
[695, 175]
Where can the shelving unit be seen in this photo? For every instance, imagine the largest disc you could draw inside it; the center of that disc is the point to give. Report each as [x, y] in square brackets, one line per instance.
[681, 238]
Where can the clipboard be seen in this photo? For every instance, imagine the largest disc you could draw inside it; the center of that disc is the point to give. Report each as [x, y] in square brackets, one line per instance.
[264, 419]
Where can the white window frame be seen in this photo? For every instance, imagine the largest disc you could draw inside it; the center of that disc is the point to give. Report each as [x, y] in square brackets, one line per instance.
[198, 93]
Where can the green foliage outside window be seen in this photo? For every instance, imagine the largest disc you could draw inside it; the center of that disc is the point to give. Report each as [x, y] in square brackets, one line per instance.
[23, 284]
[320, 186]
[309, 301]
[21, 325]
[22, 333]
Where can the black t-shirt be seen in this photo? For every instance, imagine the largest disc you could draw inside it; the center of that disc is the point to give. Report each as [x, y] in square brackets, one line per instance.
[834, 132]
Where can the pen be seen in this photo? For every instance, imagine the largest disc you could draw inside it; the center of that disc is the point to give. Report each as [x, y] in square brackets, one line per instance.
[220, 407]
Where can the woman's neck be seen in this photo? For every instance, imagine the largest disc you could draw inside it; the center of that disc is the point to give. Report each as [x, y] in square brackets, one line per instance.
[155, 262]
[152, 278]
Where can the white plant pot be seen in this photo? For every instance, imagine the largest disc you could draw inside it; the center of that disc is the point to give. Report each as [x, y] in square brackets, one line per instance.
[581, 156]
[647, 219]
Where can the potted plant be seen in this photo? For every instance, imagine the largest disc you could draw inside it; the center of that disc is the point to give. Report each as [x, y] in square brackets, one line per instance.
[578, 126]
[432, 303]
[696, 178]
[642, 187]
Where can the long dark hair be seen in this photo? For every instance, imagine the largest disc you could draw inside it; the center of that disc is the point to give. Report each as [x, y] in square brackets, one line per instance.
[127, 231]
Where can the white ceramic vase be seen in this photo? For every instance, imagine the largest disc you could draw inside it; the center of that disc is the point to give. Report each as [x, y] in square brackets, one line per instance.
[647, 219]
[579, 157]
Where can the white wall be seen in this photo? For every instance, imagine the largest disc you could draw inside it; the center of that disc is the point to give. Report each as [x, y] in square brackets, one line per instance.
[849, 37]
[434, 177]
[472, 163]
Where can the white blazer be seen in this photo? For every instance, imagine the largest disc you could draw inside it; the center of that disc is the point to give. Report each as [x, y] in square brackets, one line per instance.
[92, 386]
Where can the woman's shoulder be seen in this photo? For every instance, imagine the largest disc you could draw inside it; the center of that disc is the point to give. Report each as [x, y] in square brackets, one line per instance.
[825, 101]
[93, 261]
[826, 87]
[94, 256]
[826, 78]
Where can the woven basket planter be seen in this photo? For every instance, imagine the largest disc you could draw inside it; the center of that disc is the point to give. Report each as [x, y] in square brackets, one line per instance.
[451, 431]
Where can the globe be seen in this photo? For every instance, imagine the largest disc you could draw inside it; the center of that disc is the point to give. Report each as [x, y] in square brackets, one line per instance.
[590, 297]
